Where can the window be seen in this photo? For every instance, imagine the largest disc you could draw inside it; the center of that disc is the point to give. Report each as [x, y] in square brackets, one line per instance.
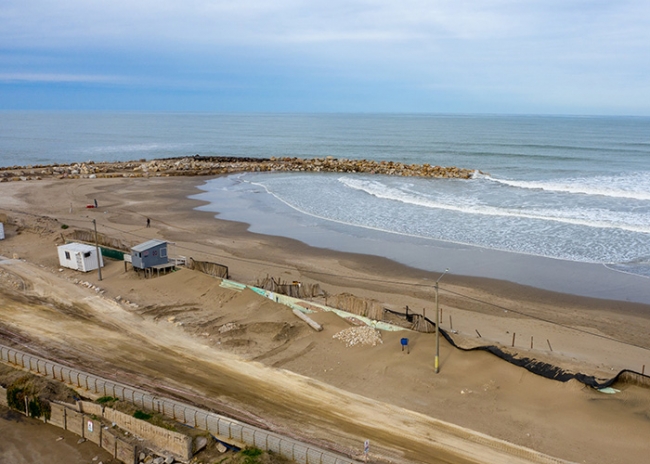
[87, 254]
[163, 252]
[67, 255]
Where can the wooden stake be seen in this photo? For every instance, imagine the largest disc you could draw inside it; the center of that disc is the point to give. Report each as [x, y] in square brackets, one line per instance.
[531, 342]
[451, 326]
[549, 345]
[643, 370]
[513, 339]
[477, 333]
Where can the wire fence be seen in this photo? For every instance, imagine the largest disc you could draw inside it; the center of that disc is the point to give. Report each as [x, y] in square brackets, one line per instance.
[224, 428]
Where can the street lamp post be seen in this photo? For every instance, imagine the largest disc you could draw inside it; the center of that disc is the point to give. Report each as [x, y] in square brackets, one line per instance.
[437, 360]
[99, 262]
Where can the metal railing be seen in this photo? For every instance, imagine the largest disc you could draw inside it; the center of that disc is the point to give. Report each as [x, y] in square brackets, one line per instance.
[223, 427]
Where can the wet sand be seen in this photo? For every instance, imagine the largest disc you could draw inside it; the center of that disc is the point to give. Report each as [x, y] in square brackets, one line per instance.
[232, 200]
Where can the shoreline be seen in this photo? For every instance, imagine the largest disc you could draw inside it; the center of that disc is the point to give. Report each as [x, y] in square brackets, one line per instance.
[188, 206]
[259, 213]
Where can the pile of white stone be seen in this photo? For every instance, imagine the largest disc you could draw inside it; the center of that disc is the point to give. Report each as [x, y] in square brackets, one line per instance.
[228, 326]
[359, 336]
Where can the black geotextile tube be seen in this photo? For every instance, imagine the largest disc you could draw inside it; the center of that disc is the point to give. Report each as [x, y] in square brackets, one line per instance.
[543, 369]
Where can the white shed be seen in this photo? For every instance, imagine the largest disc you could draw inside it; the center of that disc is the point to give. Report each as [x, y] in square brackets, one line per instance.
[79, 256]
[2, 231]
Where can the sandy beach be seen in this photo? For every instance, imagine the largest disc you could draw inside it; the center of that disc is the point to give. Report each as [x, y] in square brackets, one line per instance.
[275, 371]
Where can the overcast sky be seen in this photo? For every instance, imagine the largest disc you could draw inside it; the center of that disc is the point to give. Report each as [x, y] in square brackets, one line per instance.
[467, 56]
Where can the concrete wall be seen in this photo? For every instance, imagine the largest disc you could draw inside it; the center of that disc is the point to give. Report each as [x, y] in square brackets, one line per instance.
[58, 415]
[125, 451]
[91, 408]
[158, 437]
[74, 421]
[109, 443]
[174, 442]
[84, 419]
[93, 430]
[89, 426]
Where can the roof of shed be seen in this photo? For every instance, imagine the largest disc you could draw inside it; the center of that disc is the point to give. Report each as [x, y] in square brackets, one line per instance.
[148, 245]
[77, 247]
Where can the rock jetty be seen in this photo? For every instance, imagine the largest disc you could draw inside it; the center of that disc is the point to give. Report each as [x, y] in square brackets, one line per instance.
[218, 165]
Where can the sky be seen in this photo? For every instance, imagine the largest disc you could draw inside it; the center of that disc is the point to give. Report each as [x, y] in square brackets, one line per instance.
[588, 57]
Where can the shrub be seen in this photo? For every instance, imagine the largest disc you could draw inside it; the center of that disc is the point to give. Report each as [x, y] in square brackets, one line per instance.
[141, 415]
[251, 455]
[36, 407]
[106, 399]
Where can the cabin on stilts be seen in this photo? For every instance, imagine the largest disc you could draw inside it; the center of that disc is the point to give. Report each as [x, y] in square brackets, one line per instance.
[150, 257]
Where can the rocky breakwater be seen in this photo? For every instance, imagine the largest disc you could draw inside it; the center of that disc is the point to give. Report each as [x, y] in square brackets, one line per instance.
[212, 166]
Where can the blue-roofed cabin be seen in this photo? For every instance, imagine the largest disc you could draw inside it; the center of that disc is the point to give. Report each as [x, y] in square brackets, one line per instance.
[149, 254]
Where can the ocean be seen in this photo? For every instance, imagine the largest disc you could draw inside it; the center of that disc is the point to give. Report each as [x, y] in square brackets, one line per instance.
[569, 189]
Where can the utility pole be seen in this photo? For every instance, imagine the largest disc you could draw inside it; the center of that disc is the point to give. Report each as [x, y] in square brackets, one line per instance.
[437, 360]
[99, 256]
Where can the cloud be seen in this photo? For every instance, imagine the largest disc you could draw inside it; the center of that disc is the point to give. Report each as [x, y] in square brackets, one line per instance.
[516, 49]
[216, 21]
[59, 78]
